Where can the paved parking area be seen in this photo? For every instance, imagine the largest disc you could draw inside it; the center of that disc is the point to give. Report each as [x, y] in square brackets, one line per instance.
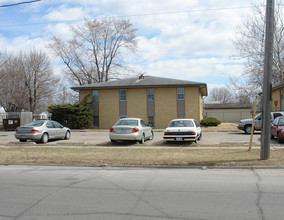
[101, 138]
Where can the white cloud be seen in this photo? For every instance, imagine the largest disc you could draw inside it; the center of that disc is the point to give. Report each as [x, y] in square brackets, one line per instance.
[195, 43]
[63, 13]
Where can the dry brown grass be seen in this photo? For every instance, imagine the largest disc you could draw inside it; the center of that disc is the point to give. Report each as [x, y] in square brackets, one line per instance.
[92, 156]
[222, 127]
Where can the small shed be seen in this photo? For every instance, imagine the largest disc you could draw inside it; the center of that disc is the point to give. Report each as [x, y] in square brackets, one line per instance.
[228, 112]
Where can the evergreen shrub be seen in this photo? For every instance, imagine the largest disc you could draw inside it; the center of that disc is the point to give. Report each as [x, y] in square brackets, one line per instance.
[210, 121]
[76, 116]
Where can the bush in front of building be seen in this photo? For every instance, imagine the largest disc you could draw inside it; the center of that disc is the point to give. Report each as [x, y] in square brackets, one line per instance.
[76, 116]
[210, 121]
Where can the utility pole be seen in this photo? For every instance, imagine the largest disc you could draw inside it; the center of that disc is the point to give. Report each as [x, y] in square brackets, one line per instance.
[267, 86]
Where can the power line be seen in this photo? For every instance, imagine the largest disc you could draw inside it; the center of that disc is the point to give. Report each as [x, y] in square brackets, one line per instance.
[134, 15]
[19, 3]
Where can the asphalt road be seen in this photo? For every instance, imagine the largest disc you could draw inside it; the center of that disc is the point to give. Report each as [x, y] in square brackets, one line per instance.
[102, 139]
[49, 192]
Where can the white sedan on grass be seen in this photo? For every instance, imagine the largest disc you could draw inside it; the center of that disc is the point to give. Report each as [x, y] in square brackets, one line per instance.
[131, 129]
[183, 130]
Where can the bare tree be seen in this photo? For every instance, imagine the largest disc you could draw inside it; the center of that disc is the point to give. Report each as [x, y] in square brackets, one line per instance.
[28, 82]
[65, 96]
[94, 54]
[220, 94]
[250, 43]
[10, 94]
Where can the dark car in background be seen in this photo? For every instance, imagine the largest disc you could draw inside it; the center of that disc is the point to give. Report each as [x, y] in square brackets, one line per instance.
[277, 129]
[42, 131]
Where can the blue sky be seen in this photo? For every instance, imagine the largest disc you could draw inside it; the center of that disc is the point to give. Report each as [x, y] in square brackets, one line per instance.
[182, 39]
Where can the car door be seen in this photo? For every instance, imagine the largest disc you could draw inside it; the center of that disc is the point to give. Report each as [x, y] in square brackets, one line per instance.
[51, 130]
[146, 129]
[258, 122]
[60, 132]
[198, 128]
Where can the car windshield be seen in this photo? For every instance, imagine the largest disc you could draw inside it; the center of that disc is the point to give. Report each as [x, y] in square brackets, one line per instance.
[127, 122]
[258, 116]
[35, 123]
[181, 124]
[281, 121]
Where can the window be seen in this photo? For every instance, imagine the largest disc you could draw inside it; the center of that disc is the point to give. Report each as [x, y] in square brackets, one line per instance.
[127, 122]
[95, 95]
[150, 95]
[57, 125]
[275, 115]
[143, 123]
[180, 93]
[95, 121]
[122, 95]
[281, 122]
[181, 124]
[151, 121]
[49, 124]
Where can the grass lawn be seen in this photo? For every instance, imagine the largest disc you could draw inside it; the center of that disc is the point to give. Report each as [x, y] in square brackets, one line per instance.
[92, 156]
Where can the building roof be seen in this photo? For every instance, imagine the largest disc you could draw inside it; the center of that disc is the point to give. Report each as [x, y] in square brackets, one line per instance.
[227, 106]
[142, 82]
[278, 87]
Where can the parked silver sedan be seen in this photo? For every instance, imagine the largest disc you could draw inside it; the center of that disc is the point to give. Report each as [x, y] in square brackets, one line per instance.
[131, 129]
[42, 131]
[183, 130]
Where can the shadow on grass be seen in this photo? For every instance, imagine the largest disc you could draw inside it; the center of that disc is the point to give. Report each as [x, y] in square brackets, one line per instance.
[230, 163]
[174, 143]
[243, 133]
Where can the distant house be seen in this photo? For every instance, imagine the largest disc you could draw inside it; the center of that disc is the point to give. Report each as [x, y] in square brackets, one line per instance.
[277, 98]
[42, 116]
[229, 112]
[154, 99]
[2, 110]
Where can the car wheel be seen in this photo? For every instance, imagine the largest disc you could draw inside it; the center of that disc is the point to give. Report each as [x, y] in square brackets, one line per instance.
[44, 138]
[142, 141]
[151, 136]
[200, 136]
[248, 129]
[278, 138]
[67, 135]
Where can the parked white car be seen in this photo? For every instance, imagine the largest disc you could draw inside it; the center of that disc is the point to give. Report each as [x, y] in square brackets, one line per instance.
[131, 129]
[183, 130]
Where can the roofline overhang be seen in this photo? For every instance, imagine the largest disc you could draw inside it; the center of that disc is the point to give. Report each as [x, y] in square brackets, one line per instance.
[278, 87]
[202, 86]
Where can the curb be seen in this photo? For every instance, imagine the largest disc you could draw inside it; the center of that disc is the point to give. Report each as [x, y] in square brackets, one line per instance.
[151, 167]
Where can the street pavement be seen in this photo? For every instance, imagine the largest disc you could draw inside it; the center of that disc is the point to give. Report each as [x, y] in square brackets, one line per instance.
[86, 193]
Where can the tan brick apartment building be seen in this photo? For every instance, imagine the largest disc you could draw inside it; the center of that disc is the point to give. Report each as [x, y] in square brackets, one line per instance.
[277, 98]
[154, 99]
